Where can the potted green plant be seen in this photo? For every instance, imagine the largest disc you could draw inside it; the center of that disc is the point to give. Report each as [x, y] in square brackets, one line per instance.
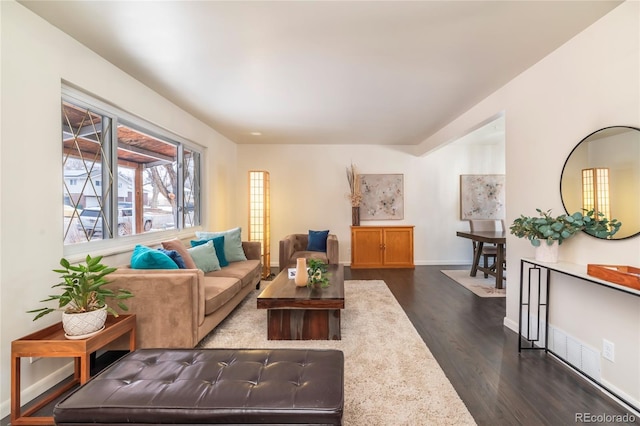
[318, 275]
[554, 230]
[84, 296]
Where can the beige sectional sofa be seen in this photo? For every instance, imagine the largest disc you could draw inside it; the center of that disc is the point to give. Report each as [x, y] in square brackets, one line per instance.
[176, 308]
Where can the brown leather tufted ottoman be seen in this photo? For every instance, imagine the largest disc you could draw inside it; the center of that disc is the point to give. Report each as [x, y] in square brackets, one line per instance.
[212, 386]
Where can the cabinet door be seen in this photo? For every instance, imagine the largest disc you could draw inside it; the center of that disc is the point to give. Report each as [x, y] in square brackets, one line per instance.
[398, 247]
[366, 247]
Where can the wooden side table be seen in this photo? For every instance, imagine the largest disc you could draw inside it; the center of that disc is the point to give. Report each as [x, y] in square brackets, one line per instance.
[50, 342]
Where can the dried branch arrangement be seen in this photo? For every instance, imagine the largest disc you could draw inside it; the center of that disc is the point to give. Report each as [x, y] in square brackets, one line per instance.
[355, 196]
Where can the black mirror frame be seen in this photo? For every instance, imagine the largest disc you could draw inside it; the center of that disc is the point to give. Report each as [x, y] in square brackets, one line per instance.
[565, 165]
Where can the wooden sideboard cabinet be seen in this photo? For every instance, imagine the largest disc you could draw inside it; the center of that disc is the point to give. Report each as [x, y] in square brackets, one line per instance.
[381, 247]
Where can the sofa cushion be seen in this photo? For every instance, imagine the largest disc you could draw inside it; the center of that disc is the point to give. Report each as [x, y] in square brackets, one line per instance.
[317, 241]
[218, 245]
[309, 255]
[218, 291]
[178, 246]
[144, 257]
[205, 257]
[248, 271]
[232, 243]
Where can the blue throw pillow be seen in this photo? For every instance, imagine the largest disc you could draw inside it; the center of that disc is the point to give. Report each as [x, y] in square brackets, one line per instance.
[233, 250]
[144, 257]
[175, 256]
[317, 241]
[218, 245]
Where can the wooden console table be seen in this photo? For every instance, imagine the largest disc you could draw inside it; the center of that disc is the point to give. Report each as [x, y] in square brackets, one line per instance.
[50, 342]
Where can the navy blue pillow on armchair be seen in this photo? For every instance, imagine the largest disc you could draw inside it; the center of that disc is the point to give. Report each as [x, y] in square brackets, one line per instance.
[317, 240]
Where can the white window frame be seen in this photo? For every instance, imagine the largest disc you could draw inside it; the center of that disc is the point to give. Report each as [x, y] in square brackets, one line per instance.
[115, 245]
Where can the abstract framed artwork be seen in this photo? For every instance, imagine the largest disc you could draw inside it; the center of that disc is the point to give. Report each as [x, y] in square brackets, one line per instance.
[482, 197]
[382, 197]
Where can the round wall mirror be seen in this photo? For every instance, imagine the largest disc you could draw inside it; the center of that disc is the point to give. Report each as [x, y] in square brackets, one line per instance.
[602, 173]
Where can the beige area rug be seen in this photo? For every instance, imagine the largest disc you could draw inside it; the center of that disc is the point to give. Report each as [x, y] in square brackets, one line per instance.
[391, 378]
[479, 285]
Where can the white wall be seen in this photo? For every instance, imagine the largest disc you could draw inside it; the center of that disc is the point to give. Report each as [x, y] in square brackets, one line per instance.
[309, 188]
[36, 58]
[591, 82]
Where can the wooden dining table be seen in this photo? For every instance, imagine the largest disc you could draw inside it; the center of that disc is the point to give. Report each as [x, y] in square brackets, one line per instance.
[489, 237]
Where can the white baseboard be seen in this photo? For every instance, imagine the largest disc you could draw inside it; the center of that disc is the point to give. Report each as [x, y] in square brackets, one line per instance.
[510, 324]
[578, 355]
[441, 262]
[624, 395]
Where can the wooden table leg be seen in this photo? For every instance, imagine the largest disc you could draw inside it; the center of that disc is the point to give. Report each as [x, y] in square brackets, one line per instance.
[85, 368]
[77, 368]
[132, 339]
[19, 418]
[499, 265]
[15, 388]
[476, 259]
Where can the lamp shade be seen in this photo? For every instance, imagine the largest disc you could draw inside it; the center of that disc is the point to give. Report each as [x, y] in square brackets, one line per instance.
[259, 215]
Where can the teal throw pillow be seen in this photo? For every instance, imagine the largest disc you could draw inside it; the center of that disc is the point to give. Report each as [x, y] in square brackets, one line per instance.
[204, 256]
[233, 250]
[218, 245]
[317, 241]
[144, 257]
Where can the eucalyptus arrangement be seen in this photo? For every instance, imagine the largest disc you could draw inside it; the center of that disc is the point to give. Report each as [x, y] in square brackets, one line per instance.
[550, 229]
[317, 273]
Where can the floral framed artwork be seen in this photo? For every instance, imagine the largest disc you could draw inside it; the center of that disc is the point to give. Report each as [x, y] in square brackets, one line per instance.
[382, 197]
[482, 196]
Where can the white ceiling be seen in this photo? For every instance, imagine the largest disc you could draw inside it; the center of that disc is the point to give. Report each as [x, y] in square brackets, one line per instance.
[323, 72]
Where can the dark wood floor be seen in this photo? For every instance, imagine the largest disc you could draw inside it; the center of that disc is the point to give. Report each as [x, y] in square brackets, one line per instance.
[480, 356]
[465, 334]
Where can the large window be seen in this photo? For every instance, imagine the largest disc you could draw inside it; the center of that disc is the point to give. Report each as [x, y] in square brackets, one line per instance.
[123, 176]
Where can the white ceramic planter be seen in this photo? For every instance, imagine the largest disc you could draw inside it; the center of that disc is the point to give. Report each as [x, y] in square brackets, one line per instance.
[85, 323]
[547, 253]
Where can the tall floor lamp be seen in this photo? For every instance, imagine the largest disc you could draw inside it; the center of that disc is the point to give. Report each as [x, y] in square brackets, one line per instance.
[595, 191]
[259, 216]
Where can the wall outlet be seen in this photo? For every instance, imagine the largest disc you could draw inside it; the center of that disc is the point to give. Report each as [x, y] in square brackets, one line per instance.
[608, 350]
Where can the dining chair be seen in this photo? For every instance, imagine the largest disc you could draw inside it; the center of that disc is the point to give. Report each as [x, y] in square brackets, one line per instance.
[488, 251]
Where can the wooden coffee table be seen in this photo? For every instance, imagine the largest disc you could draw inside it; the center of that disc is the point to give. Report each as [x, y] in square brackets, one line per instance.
[301, 313]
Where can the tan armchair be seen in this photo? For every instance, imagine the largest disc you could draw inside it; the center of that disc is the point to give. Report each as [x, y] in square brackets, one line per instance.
[295, 245]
